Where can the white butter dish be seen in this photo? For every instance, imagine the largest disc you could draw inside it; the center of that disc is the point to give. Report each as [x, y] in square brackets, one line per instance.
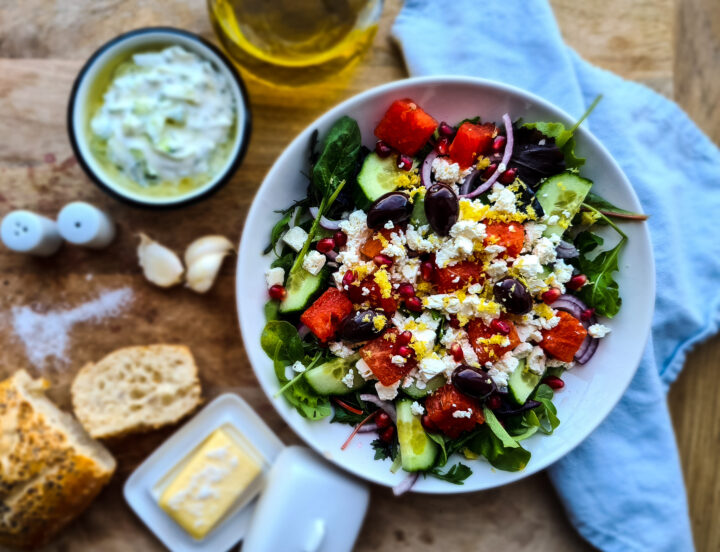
[142, 488]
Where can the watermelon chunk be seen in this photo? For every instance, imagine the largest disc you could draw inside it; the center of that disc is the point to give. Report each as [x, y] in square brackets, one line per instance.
[564, 340]
[378, 354]
[442, 405]
[452, 278]
[490, 352]
[470, 141]
[510, 235]
[406, 127]
[324, 316]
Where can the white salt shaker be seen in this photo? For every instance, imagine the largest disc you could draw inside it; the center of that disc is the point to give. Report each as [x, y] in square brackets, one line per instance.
[27, 232]
[83, 224]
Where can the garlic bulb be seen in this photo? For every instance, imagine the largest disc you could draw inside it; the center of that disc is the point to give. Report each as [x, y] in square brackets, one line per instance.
[203, 258]
[160, 265]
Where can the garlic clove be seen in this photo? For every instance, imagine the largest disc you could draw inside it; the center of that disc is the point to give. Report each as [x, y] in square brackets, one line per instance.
[201, 274]
[160, 265]
[207, 245]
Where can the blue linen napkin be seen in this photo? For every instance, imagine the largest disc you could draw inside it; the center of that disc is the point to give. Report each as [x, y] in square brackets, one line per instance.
[623, 487]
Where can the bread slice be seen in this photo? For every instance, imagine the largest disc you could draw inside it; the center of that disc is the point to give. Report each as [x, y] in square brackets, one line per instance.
[136, 389]
[50, 468]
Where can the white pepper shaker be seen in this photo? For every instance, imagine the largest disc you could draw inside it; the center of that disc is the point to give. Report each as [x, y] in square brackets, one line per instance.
[27, 232]
[83, 224]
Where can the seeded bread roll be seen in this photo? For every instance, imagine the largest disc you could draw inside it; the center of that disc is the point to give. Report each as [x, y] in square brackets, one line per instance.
[136, 389]
[50, 468]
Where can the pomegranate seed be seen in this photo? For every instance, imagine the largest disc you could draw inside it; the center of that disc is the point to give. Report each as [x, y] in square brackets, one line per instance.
[340, 238]
[446, 130]
[442, 146]
[428, 423]
[382, 149]
[454, 322]
[499, 143]
[500, 326]
[413, 304]
[489, 171]
[508, 177]
[553, 382]
[550, 296]
[493, 402]
[277, 292]
[404, 338]
[349, 278]
[382, 260]
[325, 245]
[404, 351]
[587, 314]
[404, 162]
[426, 270]
[387, 434]
[406, 291]
[457, 352]
[576, 282]
[383, 420]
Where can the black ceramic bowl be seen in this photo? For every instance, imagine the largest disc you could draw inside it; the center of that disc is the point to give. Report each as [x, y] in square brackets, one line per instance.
[103, 62]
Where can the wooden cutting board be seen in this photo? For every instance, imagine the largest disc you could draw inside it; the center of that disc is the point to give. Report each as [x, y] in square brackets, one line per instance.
[42, 46]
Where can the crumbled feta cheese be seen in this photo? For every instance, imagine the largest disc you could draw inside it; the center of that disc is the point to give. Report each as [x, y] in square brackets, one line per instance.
[469, 229]
[536, 361]
[462, 413]
[417, 409]
[417, 242]
[503, 368]
[298, 367]
[364, 370]
[555, 363]
[544, 250]
[497, 269]
[389, 225]
[430, 367]
[275, 277]
[394, 250]
[563, 272]
[339, 349]
[295, 238]
[530, 269]
[387, 392]
[552, 219]
[475, 288]
[549, 323]
[522, 351]
[398, 360]
[409, 270]
[598, 330]
[533, 232]
[528, 332]
[313, 262]
[504, 199]
[447, 172]
[349, 378]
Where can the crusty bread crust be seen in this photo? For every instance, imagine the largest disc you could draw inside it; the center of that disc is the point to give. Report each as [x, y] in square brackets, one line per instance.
[50, 469]
[136, 389]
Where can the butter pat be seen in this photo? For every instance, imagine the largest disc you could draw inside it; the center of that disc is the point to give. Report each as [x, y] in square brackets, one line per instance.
[203, 491]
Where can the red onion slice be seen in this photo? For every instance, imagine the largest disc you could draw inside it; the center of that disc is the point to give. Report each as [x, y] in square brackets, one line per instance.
[331, 255]
[469, 181]
[585, 353]
[303, 330]
[385, 406]
[505, 159]
[406, 484]
[426, 171]
[328, 224]
[368, 428]
[566, 250]
[574, 306]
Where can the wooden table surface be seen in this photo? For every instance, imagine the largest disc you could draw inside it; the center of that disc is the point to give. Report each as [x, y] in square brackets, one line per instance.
[673, 46]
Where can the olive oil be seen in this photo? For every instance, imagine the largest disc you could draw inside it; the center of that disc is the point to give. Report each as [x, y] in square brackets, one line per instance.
[295, 42]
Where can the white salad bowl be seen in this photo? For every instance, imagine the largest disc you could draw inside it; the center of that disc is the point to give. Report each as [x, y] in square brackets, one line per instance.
[591, 391]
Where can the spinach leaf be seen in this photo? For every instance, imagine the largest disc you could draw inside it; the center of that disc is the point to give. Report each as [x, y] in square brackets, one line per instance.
[337, 161]
[610, 210]
[487, 444]
[496, 427]
[546, 413]
[602, 292]
[457, 473]
[278, 333]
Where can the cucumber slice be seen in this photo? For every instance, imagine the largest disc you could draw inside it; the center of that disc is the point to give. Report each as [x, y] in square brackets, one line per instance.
[434, 383]
[417, 450]
[522, 382]
[376, 178]
[300, 287]
[562, 195]
[418, 216]
[326, 379]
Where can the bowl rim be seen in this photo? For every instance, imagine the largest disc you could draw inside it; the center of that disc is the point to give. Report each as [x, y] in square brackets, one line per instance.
[447, 80]
[243, 134]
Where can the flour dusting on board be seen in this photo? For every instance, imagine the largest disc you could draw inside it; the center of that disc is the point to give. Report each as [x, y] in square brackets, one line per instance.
[47, 334]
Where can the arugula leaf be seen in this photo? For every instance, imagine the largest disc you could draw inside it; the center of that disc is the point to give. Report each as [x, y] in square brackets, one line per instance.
[586, 241]
[282, 334]
[337, 161]
[385, 450]
[457, 473]
[547, 419]
[602, 292]
[487, 444]
[277, 231]
[610, 210]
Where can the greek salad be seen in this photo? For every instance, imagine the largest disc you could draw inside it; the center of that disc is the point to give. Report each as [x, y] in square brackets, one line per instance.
[434, 290]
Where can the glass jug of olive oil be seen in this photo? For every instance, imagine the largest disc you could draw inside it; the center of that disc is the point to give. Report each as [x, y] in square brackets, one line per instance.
[295, 42]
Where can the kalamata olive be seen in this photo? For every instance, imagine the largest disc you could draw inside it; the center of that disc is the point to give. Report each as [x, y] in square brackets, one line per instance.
[473, 382]
[513, 296]
[441, 208]
[362, 325]
[393, 206]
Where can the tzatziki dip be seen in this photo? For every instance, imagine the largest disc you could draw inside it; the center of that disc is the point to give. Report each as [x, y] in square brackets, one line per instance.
[166, 122]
